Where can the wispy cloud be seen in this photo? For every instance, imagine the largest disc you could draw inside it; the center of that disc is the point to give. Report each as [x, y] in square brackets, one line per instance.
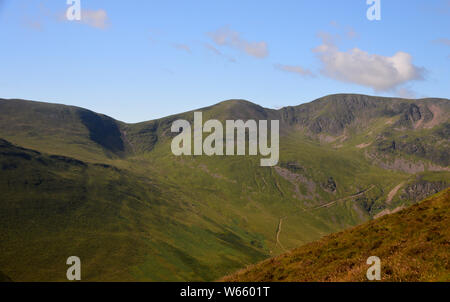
[95, 18]
[226, 37]
[33, 24]
[183, 47]
[379, 72]
[34, 15]
[349, 32]
[405, 93]
[441, 7]
[218, 52]
[295, 69]
[442, 41]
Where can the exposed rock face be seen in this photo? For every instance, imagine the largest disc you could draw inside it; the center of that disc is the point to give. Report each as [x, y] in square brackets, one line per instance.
[293, 167]
[330, 185]
[432, 146]
[422, 189]
[414, 116]
[420, 147]
[387, 146]
[335, 113]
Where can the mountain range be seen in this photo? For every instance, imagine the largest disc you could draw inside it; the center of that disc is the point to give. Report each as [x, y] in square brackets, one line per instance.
[78, 183]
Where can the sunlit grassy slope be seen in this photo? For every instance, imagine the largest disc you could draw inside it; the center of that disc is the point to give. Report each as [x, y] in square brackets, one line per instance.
[413, 245]
[114, 195]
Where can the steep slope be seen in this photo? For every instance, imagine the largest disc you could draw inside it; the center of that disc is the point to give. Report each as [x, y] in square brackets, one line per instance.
[61, 129]
[413, 245]
[388, 128]
[122, 226]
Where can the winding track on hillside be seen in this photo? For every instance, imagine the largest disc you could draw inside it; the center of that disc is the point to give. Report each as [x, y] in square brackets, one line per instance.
[393, 192]
[280, 223]
[327, 205]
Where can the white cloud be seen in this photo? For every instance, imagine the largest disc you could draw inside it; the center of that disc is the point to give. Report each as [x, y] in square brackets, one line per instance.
[360, 67]
[295, 69]
[226, 37]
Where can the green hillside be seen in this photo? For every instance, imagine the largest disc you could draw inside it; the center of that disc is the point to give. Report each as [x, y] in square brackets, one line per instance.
[123, 226]
[412, 245]
[75, 182]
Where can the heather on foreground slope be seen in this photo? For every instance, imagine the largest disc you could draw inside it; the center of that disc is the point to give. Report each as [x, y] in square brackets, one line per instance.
[413, 245]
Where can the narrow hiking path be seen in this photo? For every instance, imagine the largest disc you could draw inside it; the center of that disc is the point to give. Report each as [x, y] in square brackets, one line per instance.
[280, 223]
[393, 192]
[278, 232]
[344, 198]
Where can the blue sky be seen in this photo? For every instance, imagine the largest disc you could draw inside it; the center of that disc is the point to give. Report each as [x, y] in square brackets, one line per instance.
[140, 60]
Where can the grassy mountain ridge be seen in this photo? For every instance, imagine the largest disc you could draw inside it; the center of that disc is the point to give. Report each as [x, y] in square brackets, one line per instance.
[412, 244]
[60, 129]
[199, 218]
[329, 115]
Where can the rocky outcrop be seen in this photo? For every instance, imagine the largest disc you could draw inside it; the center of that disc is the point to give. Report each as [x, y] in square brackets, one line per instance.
[330, 185]
[414, 116]
[422, 189]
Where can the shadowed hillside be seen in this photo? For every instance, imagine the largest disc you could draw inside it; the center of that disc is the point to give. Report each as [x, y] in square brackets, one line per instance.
[123, 226]
[60, 129]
